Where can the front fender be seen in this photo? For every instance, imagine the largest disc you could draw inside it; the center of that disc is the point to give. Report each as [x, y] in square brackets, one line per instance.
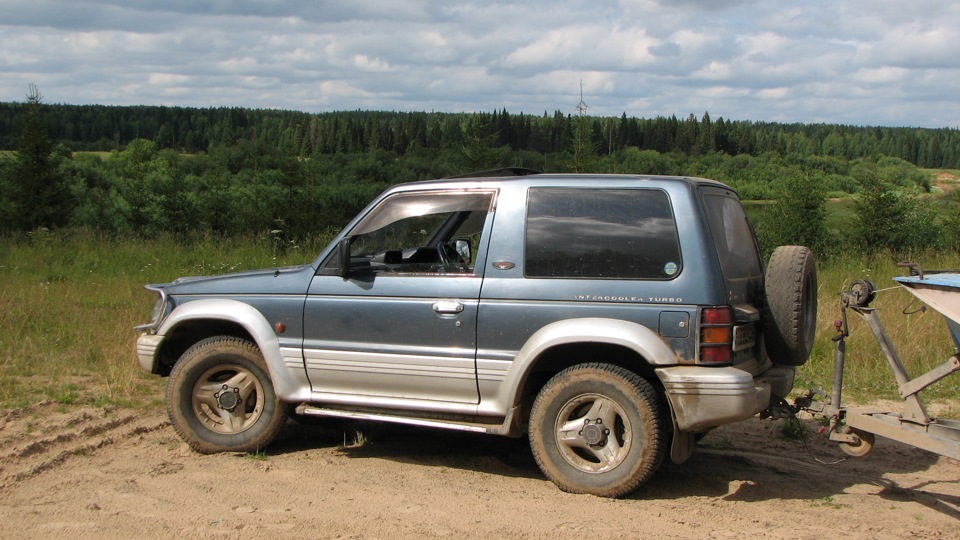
[636, 337]
[285, 364]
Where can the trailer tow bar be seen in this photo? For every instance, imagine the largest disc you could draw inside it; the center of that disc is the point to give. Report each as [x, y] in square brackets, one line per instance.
[855, 428]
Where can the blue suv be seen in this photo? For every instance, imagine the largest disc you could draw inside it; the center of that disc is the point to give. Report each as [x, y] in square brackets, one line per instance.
[609, 318]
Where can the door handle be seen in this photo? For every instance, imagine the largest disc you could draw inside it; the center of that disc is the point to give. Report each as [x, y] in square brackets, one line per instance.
[448, 307]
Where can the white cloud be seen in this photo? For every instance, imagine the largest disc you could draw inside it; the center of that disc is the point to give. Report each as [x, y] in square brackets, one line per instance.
[366, 63]
[167, 79]
[773, 93]
[882, 75]
[852, 61]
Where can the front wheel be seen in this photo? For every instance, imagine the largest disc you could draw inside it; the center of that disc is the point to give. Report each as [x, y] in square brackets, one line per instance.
[220, 398]
[598, 429]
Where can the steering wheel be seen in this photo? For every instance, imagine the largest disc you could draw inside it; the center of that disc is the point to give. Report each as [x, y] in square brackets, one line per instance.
[449, 257]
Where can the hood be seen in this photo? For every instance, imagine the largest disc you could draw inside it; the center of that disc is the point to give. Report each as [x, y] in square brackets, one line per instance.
[287, 280]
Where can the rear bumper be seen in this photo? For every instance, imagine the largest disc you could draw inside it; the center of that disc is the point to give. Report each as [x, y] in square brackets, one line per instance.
[780, 379]
[706, 397]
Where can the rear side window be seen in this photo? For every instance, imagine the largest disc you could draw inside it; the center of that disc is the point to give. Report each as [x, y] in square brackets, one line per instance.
[734, 238]
[601, 233]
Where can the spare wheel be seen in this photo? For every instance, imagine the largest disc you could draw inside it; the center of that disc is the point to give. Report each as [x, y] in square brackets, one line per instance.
[790, 310]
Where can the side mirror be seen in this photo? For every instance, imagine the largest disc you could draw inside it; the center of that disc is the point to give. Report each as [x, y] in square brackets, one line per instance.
[343, 258]
[463, 250]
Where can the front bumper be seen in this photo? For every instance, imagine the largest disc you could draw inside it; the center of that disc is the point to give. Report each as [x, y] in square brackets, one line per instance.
[147, 346]
[706, 397]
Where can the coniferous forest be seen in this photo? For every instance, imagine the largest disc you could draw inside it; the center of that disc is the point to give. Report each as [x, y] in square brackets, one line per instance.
[149, 170]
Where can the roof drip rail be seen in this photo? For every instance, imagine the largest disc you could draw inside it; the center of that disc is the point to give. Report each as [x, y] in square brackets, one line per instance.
[497, 173]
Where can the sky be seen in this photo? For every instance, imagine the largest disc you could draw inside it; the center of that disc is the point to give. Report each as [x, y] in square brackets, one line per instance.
[859, 62]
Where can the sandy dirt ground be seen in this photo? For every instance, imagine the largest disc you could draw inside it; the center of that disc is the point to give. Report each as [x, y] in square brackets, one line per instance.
[946, 182]
[90, 473]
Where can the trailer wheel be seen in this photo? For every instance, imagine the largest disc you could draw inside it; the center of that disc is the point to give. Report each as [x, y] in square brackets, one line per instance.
[862, 447]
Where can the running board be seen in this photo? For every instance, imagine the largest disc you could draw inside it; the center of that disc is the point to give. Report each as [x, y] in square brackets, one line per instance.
[509, 427]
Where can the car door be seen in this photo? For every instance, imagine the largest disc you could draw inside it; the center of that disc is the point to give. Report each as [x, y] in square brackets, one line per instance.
[402, 322]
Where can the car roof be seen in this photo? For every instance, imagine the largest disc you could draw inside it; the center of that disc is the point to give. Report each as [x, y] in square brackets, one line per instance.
[533, 177]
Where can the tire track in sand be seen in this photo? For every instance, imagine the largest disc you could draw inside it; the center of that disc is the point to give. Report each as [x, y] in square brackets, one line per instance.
[42, 440]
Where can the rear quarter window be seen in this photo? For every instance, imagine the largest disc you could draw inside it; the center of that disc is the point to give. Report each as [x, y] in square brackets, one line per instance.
[601, 233]
[733, 236]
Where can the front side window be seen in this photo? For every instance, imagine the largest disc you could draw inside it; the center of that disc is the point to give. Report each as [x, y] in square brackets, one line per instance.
[431, 232]
[601, 233]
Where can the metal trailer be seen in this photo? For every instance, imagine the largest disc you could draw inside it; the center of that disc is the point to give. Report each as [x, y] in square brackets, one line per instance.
[855, 428]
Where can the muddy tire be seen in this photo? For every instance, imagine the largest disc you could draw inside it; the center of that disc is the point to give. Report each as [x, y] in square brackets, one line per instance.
[790, 310]
[220, 398]
[598, 429]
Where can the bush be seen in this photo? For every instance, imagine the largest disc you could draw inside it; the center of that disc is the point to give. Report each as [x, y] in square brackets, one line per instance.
[799, 215]
[888, 219]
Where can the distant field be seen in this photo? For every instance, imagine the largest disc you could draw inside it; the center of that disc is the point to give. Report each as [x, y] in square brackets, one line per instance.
[841, 216]
[105, 155]
[101, 155]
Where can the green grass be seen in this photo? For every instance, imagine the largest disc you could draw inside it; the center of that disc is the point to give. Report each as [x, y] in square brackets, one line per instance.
[841, 215]
[357, 440]
[70, 301]
[259, 455]
[921, 339]
[828, 502]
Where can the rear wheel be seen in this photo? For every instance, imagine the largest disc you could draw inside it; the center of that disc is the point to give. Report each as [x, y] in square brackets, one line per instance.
[790, 309]
[220, 398]
[598, 429]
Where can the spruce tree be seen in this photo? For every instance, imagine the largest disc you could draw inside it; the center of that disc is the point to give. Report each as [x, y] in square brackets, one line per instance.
[38, 193]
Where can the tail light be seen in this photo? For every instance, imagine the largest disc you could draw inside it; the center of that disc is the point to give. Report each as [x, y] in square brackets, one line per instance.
[716, 335]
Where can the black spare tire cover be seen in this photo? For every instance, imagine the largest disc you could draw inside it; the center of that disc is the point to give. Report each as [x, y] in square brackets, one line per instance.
[790, 311]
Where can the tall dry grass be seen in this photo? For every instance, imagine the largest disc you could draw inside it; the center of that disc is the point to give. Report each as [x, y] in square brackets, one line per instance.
[921, 338]
[69, 302]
